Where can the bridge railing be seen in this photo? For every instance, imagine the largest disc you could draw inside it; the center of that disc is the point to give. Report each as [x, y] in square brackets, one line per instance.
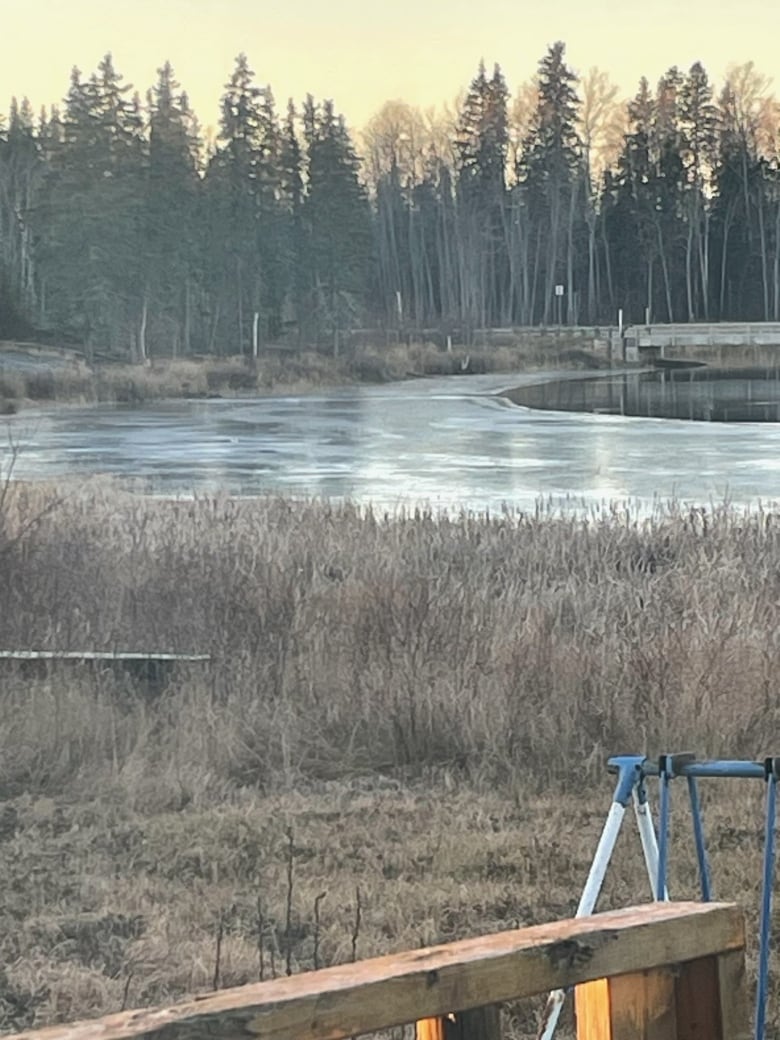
[666, 970]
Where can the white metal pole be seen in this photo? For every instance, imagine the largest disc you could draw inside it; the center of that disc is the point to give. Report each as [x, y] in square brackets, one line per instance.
[601, 858]
[587, 904]
[647, 835]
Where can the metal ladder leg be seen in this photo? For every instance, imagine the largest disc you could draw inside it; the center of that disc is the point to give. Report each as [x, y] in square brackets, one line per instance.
[664, 776]
[701, 848]
[647, 835]
[772, 768]
[629, 773]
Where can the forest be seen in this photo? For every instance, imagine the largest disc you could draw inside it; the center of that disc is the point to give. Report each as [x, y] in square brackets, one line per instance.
[127, 231]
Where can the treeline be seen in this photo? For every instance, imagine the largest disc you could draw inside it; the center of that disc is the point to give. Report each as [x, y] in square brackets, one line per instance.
[122, 230]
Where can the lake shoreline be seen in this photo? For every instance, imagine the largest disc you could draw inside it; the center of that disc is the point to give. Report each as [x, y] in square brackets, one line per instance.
[448, 444]
[30, 382]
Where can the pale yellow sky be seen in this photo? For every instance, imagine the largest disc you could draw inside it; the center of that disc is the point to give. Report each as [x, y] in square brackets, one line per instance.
[362, 53]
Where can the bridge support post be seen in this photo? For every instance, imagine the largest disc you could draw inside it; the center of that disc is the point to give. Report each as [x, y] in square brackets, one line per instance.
[478, 1024]
[701, 999]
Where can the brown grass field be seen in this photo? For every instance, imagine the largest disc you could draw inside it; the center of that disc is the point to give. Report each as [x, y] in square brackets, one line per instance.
[401, 737]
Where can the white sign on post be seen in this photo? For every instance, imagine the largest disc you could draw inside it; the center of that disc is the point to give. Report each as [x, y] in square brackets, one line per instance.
[559, 290]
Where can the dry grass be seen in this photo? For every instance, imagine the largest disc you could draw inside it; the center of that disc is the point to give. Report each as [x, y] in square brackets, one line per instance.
[274, 371]
[422, 700]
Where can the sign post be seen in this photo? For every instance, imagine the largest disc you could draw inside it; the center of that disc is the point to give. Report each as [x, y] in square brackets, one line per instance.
[559, 300]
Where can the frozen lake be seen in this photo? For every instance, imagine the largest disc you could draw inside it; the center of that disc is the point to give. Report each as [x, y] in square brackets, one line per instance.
[449, 442]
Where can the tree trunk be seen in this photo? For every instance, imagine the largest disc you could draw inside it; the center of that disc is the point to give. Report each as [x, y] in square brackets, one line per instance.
[665, 272]
[724, 258]
[689, 271]
[187, 317]
[762, 246]
[608, 267]
[240, 304]
[142, 357]
[570, 308]
[704, 266]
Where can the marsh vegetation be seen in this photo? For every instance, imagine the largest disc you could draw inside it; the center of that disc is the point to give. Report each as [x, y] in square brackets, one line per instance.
[406, 712]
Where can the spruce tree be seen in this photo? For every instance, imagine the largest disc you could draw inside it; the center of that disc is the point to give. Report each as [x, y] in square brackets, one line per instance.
[482, 140]
[90, 218]
[337, 221]
[292, 243]
[170, 217]
[699, 124]
[551, 172]
[630, 213]
[669, 187]
[243, 183]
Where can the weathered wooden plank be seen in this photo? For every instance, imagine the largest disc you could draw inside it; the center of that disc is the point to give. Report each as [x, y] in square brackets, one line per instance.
[483, 1023]
[732, 985]
[429, 1029]
[592, 1010]
[360, 998]
[698, 1001]
[628, 1007]
[643, 1005]
[154, 669]
[99, 656]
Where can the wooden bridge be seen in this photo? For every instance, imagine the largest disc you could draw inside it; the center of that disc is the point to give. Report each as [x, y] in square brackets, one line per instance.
[667, 971]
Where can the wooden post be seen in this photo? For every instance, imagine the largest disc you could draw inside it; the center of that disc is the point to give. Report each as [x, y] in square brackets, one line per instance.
[703, 999]
[478, 1024]
[429, 1029]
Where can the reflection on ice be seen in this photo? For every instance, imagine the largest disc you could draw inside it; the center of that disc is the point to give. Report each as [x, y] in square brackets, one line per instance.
[451, 443]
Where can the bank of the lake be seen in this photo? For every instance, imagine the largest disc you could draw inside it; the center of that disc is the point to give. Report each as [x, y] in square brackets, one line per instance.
[30, 378]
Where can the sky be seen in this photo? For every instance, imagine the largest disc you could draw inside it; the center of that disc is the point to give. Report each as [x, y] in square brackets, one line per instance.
[361, 53]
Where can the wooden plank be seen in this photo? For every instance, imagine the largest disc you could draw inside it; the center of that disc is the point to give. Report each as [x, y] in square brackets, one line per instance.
[371, 995]
[154, 669]
[640, 1006]
[478, 1024]
[698, 1001]
[732, 992]
[592, 1011]
[81, 656]
[643, 1006]
[429, 1029]
[482, 1023]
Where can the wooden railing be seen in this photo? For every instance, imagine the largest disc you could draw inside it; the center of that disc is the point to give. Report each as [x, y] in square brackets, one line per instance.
[668, 971]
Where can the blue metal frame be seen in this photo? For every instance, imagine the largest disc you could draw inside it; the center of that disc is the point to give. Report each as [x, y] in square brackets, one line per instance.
[664, 776]
[632, 770]
[701, 847]
[765, 927]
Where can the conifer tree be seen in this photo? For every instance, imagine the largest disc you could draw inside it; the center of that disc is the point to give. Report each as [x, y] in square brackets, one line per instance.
[551, 172]
[482, 141]
[170, 224]
[337, 219]
[699, 123]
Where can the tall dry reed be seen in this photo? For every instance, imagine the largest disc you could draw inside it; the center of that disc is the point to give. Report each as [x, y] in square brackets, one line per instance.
[345, 641]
